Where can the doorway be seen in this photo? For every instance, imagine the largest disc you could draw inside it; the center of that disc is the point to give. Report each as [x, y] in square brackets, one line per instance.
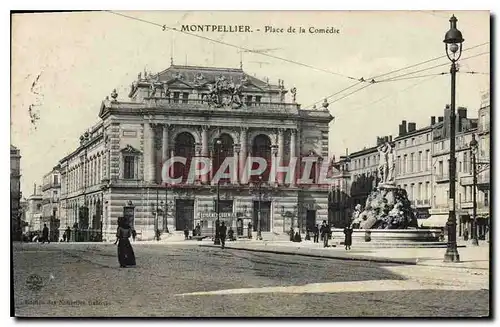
[310, 219]
[184, 214]
[265, 216]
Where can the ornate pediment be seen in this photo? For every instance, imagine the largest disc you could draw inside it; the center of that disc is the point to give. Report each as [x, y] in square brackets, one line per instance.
[224, 93]
[130, 150]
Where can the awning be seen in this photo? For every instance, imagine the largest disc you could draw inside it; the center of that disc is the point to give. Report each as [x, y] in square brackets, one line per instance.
[434, 221]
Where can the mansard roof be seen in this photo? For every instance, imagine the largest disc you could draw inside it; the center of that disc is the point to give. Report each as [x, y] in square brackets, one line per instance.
[196, 76]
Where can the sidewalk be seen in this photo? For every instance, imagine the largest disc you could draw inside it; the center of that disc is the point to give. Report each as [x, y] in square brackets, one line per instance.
[471, 257]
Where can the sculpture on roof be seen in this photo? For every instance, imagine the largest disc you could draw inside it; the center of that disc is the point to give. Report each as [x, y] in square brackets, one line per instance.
[293, 90]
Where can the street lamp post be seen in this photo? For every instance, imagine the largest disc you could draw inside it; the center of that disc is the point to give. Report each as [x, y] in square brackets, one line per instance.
[473, 145]
[217, 222]
[453, 45]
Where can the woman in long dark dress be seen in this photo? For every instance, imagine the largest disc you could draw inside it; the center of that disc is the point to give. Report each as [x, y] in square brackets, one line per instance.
[348, 238]
[126, 255]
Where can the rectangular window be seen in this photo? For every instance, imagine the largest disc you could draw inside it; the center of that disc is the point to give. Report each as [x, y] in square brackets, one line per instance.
[412, 162]
[466, 162]
[249, 100]
[185, 97]
[486, 202]
[176, 97]
[427, 186]
[419, 163]
[419, 191]
[398, 166]
[128, 171]
[257, 98]
[405, 164]
[428, 137]
[413, 141]
[56, 179]
[428, 159]
[440, 168]
[406, 143]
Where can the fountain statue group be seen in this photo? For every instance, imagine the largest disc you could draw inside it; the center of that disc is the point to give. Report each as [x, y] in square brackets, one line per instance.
[387, 206]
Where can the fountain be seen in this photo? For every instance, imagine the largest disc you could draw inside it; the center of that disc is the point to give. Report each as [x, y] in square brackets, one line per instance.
[387, 215]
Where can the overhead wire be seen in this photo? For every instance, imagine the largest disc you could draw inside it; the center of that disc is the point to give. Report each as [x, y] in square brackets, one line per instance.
[164, 27]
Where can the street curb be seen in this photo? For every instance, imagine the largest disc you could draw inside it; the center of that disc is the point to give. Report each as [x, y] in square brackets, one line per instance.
[327, 256]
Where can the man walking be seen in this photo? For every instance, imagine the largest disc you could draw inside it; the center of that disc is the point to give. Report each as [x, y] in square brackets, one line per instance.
[222, 234]
[68, 233]
[45, 234]
[316, 233]
[325, 233]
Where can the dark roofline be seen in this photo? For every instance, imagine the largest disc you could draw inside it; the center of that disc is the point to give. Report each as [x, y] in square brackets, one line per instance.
[236, 70]
[415, 132]
[362, 152]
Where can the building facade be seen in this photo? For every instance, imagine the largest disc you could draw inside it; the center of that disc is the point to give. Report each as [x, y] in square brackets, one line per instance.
[422, 157]
[191, 112]
[51, 191]
[34, 211]
[15, 193]
[465, 128]
[414, 165]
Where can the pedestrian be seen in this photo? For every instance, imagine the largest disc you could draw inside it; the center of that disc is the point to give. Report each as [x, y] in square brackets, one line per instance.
[249, 230]
[157, 234]
[348, 237]
[198, 230]
[68, 233]
[45, 234]
[316, 233]
[292, 234]
[230, 234]
[186, 233]
[126, 256]
[325, 233]
[222, 234]
[64, 237]
[466, 234]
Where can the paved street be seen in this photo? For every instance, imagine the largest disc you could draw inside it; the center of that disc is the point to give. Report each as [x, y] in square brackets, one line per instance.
[188, 280]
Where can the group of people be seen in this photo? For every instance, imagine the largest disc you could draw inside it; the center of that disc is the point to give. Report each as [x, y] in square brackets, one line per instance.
[325, 232]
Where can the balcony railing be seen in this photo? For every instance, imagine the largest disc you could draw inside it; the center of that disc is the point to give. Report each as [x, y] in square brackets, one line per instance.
[50, 185]
[440, 178]
[198, 104]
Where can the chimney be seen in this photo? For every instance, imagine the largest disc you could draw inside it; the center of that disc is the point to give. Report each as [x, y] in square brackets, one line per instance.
[403, 123]
[462, 112]
[440, 119]
[412, 127]
[433, 120]
[390, 138]
[400, 133]
[34, 189]
[386, 139]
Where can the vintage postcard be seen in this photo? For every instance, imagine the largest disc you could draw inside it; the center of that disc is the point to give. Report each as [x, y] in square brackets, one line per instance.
[250, 164]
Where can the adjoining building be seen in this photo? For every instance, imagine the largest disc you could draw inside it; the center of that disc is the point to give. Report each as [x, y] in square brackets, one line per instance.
[422, 157]
[465, 127]
[51, 188]
[34, 212]
[15, 193]
[183, 111]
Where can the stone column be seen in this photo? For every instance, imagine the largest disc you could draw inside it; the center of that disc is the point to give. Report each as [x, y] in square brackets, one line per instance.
[293, 152]
[236, 150]
[274, 158]
[149, 153]
[281, 146]
[243, 150]
[204, 149]
[165, 142]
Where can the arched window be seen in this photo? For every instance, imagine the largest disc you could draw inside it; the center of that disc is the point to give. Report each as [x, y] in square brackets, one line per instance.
[184, 147]
[261, 147]
[221, 152]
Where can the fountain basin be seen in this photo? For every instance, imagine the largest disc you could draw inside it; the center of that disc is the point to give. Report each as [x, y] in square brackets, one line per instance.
[390, 235]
